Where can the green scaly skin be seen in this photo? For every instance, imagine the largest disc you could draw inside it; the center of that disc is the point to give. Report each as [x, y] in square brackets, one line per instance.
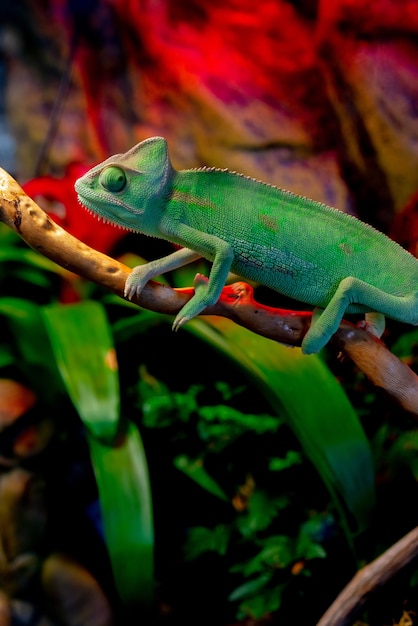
[299, 247]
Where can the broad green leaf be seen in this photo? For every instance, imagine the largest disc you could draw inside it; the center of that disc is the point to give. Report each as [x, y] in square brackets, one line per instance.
[125, 499]
[81, 339]
[26, 323]
[23, 330]
[125, 329]
[83, 346]
[34, 277]
[29, 258]
[316, 406]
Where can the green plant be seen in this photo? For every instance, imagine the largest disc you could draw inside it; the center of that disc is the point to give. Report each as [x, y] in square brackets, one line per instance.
[266, 434]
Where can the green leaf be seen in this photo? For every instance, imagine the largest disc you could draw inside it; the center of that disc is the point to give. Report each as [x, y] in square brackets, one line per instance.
[134, 325]
[224, 388]
[26, 323]
[83, 346]
[82, 342]
[256, 423]
[268, 601]
[318, 528]
[7, 357]
[316, 408]
[201, 539]
[165, 408]
[29, 258]
[406, 343]
[194, 469]
[309, 550]
[404, 453]
[250, 587]
[278, 552]
[125, 499]
[30, 345]
[262, 510]
[33, 276]
[278, 464]
[221, 424]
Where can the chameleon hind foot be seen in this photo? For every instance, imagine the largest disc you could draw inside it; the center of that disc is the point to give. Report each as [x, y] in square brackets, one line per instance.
[196, 304]
[315, 339]
[374, 323]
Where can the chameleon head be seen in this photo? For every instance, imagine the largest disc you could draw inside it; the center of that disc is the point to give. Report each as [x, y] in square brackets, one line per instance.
[128, 189]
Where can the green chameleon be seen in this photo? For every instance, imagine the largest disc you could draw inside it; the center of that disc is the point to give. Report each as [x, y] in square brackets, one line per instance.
[299, 247]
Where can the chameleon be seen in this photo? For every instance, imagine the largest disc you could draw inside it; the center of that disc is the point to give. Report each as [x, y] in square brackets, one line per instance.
[299, 247]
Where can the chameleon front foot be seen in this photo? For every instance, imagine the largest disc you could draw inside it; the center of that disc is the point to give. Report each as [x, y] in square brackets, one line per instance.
[136, 281]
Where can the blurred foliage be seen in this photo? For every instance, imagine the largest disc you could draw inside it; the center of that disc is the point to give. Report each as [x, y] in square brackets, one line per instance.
[232, 473]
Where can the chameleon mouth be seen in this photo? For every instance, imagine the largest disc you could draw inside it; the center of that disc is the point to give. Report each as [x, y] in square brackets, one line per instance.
[104, 219]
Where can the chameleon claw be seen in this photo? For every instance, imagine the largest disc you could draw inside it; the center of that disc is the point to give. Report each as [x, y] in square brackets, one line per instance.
[200, 281]
[130, 291]
[127, 293]
[134, 285]
[178, 323]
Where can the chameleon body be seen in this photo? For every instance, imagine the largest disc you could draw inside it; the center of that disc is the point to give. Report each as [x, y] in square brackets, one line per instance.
[294, 245]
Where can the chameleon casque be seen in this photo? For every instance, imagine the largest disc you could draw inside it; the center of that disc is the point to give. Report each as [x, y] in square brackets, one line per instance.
[294, 245]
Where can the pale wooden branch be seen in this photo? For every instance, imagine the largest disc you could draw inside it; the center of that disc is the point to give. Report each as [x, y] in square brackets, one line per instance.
[40, 232]
[369, 578]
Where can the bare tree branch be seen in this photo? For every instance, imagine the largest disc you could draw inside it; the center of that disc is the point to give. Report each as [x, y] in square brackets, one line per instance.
[40, 232]
[375, 574]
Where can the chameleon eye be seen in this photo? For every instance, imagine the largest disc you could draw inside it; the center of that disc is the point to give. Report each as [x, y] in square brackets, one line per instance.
[113, 179]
